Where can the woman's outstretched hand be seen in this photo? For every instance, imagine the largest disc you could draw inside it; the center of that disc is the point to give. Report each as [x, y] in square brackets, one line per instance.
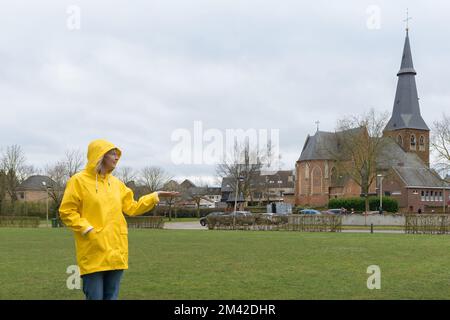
[167, 193]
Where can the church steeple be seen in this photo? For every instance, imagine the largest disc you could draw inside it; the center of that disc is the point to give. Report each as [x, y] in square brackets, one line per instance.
[406, 124]
[406, 111]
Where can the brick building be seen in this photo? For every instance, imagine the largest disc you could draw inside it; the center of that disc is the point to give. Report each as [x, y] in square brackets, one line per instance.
[34, 189]
[404, 163]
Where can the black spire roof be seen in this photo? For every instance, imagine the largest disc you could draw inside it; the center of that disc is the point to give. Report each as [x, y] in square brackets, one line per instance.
[406, 113]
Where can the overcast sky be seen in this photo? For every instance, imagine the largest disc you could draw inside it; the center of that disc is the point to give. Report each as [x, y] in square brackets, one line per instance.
[136, 71]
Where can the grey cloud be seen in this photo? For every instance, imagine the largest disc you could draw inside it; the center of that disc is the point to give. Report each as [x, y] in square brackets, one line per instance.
[135, 73]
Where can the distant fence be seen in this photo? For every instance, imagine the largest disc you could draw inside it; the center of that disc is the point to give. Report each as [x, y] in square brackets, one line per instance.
[311, 223]
[151, 222]
[18, 221]
[427, 224]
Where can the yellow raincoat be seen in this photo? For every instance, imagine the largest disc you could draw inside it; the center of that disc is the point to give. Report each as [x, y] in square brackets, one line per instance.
[94, 202]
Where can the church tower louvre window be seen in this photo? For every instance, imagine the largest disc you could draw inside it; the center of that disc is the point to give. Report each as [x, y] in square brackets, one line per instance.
[412, 145]
[422, 143]
[400, 140]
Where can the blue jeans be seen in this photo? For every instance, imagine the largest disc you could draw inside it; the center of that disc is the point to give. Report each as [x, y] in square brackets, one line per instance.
[103, 285]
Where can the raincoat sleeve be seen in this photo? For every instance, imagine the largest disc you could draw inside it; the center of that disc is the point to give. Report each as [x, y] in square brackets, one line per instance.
[132, 207]
[69, 211]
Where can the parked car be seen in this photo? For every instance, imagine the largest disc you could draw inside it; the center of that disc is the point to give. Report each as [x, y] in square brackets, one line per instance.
[204, 220]
[333, 211]
[241, 213]
[309, 211]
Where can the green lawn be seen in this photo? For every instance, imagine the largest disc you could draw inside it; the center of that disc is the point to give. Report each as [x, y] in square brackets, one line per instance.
[192, 264]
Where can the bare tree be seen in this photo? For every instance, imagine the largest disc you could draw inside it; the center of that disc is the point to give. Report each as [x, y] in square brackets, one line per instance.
[359, 140]
[73, 161]
[243, 166]
[126, 174]
[196, 197]
[59, 174]
[13, 165]
[154, 178]
[2, 189]
[170, 201]
[440, 142]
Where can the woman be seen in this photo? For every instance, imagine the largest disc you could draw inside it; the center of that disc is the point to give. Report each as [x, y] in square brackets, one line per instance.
[93, 205]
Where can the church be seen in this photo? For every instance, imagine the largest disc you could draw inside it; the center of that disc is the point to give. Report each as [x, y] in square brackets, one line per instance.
[406, 172]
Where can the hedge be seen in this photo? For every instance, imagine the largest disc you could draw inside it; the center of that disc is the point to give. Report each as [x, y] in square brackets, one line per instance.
[28, 208]
[358, 204]
[14, 221]
[154, 222]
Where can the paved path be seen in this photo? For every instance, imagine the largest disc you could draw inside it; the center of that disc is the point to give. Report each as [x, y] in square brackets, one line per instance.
[190, 225]
[374, 231]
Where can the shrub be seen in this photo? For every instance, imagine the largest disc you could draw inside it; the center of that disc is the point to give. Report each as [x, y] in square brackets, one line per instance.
[358, 204]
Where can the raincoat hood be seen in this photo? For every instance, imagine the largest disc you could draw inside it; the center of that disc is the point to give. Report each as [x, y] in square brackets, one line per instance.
[96, 151]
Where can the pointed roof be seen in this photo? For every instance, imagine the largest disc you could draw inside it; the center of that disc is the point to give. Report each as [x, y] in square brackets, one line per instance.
[187, 184]
[406, 111]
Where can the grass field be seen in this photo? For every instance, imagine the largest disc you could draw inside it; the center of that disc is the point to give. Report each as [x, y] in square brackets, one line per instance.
[190, 264]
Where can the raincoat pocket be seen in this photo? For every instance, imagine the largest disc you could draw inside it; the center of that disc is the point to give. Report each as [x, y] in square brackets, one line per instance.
[123, 239]
[96, 243]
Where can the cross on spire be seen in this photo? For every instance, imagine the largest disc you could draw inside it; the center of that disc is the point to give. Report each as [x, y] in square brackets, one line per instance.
[317, 124]
[407, 20]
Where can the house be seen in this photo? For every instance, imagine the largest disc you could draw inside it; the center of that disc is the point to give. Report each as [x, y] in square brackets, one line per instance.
[264, 187]
[207, 197]
[34, 188]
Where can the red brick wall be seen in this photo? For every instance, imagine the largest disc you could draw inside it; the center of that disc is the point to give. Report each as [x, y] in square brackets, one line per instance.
[314, 189]
[422, 151]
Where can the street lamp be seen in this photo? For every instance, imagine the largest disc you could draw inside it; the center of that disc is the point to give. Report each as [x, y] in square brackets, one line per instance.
[444, 204]
[46, 200]
[239, 178]
[381, 192]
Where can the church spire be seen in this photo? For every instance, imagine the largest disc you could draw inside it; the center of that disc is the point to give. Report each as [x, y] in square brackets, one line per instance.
[406, 111]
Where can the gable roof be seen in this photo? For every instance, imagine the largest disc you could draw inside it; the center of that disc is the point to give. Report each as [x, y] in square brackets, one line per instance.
[323, 145]
[410, 168]
[320, 146]
[186, 184]
[34, 183]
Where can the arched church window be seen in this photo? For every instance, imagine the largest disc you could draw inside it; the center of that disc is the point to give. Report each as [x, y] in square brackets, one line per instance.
[334, 177]
[422, 143]
[316, 180]
[413, 142]
[307, 171]
[400, 140]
